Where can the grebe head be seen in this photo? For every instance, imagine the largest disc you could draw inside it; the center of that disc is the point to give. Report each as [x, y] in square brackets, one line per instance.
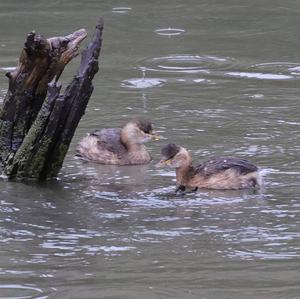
[138, 131]
[174, 156]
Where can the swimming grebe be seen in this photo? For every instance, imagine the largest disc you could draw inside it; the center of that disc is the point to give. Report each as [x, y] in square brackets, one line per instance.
[118, 146]
[216, 173]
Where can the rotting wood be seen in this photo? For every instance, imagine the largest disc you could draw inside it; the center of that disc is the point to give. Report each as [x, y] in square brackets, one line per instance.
[35, 131]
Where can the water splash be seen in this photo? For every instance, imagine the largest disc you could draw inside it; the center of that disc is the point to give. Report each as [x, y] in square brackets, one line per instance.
[142, 83]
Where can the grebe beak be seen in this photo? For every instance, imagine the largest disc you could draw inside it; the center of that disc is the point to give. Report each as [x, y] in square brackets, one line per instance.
[155, 136]
[162, 163]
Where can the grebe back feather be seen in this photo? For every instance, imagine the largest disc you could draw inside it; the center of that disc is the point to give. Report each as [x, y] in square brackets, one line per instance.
[224, 172]
[118, 146]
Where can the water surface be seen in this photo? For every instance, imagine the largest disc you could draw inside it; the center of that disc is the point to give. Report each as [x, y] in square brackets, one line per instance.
[219, 77]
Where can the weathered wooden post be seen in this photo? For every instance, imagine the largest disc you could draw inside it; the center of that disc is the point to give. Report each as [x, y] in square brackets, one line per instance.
[35, 131]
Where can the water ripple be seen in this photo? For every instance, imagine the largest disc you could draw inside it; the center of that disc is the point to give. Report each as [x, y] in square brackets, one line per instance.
[260, 76]
[121, 10]
[205, 69]
[16, 291]
[189, 64]
[169, 31]
[286, 68]
[9, 68]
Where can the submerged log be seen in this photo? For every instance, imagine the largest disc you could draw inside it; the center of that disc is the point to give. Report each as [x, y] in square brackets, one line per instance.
[35, 131]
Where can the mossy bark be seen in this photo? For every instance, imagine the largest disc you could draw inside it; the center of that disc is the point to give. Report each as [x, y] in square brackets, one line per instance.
[35, 131]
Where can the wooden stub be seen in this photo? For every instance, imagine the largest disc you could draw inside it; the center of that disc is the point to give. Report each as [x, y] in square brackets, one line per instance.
[40, 61]
[34, 138]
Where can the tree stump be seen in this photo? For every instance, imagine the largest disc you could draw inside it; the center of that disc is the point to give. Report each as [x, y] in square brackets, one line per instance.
[35, 129]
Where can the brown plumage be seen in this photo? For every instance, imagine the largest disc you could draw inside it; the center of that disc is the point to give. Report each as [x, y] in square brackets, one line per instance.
[216, 173]
[118, 146]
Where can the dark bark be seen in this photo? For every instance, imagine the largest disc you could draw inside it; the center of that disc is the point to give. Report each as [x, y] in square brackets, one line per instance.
[35, 133]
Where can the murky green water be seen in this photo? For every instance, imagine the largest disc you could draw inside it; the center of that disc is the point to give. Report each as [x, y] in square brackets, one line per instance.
[219, 77]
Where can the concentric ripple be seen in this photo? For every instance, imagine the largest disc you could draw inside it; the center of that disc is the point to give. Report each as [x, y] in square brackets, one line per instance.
[189, 64]
[275, 67]
[173, 67]
[261, 76]
[191, 69]
[274, 70]
[169, 31]
[14, 291]
[121, 10]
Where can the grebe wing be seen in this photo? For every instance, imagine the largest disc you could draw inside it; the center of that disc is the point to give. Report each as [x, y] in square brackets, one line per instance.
[110, 140]
[218, 164]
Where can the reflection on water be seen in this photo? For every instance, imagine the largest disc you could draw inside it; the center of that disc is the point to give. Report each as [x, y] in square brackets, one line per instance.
[218, 78]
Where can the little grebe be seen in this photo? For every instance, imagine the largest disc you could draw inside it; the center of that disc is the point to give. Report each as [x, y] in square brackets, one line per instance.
[118, 146]
[216, 173]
